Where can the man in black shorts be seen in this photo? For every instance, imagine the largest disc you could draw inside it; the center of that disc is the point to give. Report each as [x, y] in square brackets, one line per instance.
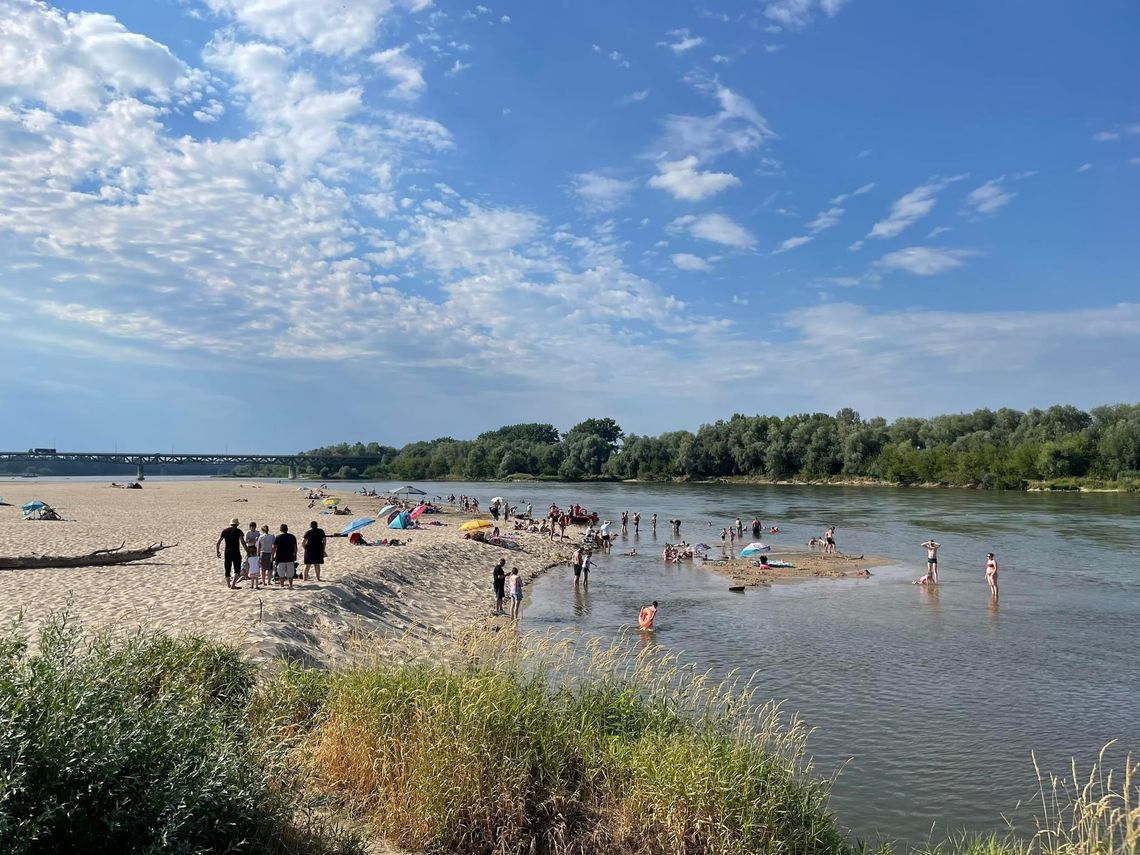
[576, 563]
[499, 582]
[234, 540]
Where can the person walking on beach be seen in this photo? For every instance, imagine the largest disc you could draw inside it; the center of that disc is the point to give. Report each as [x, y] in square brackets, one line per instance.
[991, 574]
[516, 593]
[314, 545]
[285, 555]
[499, 583]
[932, 557]
[265, 555]
[234, 541]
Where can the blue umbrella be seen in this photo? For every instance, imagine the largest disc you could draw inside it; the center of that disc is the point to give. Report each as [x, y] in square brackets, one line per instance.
[752, 549]
[356, 525]
[33, 505]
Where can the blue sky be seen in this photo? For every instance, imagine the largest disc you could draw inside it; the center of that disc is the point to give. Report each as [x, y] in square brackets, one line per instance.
[272, 224]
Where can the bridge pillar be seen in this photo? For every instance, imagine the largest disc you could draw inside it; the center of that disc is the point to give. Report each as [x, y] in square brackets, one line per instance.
[292, 471]
[139, 474]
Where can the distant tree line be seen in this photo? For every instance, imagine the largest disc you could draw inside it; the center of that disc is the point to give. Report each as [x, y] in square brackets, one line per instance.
[1003, 449]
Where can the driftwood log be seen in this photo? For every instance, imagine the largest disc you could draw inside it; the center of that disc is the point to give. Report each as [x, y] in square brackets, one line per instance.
[98, 558]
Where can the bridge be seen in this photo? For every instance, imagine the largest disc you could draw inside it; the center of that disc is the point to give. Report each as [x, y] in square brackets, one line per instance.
[141, 460]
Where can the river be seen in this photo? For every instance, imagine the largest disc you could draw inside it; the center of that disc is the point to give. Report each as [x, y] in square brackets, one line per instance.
[932, 701]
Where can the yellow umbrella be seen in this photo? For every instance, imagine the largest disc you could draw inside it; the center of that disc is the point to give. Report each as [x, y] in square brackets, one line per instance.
[331, 502]
[475, 524]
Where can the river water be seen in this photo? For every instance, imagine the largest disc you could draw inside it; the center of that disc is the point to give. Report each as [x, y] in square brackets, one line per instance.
[933, 701]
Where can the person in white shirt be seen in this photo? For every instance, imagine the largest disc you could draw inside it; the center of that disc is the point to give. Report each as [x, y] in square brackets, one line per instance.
[265, 550]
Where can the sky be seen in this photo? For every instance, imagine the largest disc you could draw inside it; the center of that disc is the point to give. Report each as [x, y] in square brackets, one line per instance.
[266, 225]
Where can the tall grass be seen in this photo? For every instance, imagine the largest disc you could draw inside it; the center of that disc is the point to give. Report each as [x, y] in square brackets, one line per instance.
[501, 754]
[138, 744]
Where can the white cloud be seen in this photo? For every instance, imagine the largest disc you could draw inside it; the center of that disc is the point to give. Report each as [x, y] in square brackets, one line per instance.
[684, 42]
[924, 260]
[1134, 161]
[937, 230]
[771, 48]
[856, 246]
[81, 60]
[825, 219]
[859, 191]
[600, 193]
[721, 58]
[211, 112]
[326, 26]
[683, 180]
[797, 14]
[794, 242]
[688, 261]
[506, 19]
[1084, 167]
[1106, 136]
[458, 68]
[403, 69]
[635, 97]
[737, 127]
[716, 228]
[989, 197]
[911, 207]
[865, 153]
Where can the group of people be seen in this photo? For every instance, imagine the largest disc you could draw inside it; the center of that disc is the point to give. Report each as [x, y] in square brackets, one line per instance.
[262, 558]
[931, 575]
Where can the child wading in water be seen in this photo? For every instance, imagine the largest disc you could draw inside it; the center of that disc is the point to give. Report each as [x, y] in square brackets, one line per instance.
[516, 586]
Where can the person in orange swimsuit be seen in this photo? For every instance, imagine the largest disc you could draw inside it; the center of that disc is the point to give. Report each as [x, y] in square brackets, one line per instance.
[645, 619]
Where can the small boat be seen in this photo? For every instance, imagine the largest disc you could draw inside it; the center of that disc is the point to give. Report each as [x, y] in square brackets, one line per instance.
[736, 589]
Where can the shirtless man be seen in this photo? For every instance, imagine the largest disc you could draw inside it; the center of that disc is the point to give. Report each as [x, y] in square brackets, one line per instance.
[932, 557]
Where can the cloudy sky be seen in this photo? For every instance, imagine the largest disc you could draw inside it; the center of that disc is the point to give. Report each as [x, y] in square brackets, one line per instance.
[272, 224]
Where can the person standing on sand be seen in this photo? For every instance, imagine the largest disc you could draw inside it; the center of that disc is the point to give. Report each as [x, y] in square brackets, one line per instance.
[234, 541]
[265, 552]
[314, 545]
[563, 521]
[932, 557]
[516, 593]
[991, 574]
[499, 583]
[285, 555]
[251, 539]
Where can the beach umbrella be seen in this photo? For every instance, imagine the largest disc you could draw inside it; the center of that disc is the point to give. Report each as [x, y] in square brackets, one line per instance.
[387, 509]
[416, 513]
[34, 505]
[356, 525]
[402, 520]
[407, 490]
[753, 548]
[498, 500]
[474, 525]
[331, 502]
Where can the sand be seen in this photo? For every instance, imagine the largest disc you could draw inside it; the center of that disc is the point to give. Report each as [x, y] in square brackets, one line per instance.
[807, 565]
[412, 598]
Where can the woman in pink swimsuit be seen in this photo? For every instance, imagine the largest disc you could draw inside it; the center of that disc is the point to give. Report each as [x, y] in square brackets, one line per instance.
[991, 574]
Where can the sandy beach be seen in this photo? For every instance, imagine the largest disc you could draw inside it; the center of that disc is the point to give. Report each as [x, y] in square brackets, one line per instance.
[412, 597]
[806, 565]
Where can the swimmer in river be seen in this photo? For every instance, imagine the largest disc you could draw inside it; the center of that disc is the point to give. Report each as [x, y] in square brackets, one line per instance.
[645, 618]
[631, 552]
[932, 557]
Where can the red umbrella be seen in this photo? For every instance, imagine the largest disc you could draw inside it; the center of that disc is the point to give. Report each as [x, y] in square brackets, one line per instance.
[415, 513]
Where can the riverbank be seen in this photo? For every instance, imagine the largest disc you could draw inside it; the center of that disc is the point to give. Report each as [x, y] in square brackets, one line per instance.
[418, 595]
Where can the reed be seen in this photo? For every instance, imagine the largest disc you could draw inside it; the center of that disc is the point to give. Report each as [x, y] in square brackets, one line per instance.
[139, 744]
[550, 746]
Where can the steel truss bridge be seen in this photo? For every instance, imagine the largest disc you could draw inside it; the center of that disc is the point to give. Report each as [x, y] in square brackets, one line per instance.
[141, 460]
